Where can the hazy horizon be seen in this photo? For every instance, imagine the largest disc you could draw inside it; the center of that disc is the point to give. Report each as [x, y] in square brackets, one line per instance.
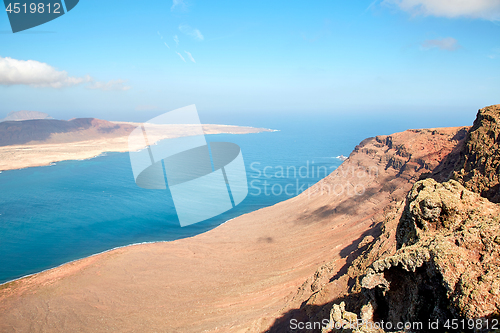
[124, 61]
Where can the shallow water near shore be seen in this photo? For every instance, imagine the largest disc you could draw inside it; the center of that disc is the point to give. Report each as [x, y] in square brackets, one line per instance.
[55, 214]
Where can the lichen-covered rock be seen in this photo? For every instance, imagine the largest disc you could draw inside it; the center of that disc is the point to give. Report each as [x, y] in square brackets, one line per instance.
[432, 206]
[372, 280]
[347, 322]
[479, 166]
[350, 317]
[448, 260]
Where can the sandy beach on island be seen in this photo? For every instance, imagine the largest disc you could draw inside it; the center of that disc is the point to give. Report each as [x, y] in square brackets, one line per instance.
[62, 148]
[244, 274]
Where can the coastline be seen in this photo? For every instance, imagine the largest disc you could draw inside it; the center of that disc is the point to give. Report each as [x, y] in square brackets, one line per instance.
[245, 272]
[36, 154]
[3, 284]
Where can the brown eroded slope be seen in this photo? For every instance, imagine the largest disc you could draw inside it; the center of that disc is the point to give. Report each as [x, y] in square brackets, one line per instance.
[246, 272]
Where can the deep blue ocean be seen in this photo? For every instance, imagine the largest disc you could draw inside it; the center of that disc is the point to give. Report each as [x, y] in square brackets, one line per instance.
[55, 214]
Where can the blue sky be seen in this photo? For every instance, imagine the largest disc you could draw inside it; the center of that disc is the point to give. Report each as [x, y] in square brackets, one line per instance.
[110, 59]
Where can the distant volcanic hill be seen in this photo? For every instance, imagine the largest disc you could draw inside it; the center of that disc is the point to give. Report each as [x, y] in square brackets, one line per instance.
[59, 131]
[25, 115]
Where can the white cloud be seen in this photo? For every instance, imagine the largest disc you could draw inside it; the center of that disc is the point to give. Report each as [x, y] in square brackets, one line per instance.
[447, 44]
[166, 45]
[180, 55]
[39, 74]
[161, 37]
[195, 33]
[36, 74]
[190, 56]
[482, 9]
[176, 40]
[177, 3]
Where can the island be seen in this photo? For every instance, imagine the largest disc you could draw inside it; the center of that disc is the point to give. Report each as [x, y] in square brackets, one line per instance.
[40, 142]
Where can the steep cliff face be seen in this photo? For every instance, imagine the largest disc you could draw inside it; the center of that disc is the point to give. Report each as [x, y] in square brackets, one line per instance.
[369, 241]
[247, 272]
[448, 262]
[438, 255]
[479, 166]
[398, 160]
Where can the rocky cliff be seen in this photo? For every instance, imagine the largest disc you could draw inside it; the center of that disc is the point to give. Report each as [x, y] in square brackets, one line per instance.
[241, 276]
[387, 236]
[447, 263]
[437, 259]
[336, 295]
[478, 168]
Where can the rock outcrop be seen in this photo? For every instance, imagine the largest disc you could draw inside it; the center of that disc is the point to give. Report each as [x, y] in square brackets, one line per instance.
[448, 261]
[437, 258]
[479, 166]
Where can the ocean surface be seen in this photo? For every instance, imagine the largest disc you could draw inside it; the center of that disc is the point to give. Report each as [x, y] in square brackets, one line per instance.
[73, 209]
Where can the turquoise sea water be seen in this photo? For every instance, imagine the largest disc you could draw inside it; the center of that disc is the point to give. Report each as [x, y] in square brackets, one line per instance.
[73, 209]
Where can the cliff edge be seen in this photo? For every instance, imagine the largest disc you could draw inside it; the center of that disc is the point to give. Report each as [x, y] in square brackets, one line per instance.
[437, 258]
[242, 275]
